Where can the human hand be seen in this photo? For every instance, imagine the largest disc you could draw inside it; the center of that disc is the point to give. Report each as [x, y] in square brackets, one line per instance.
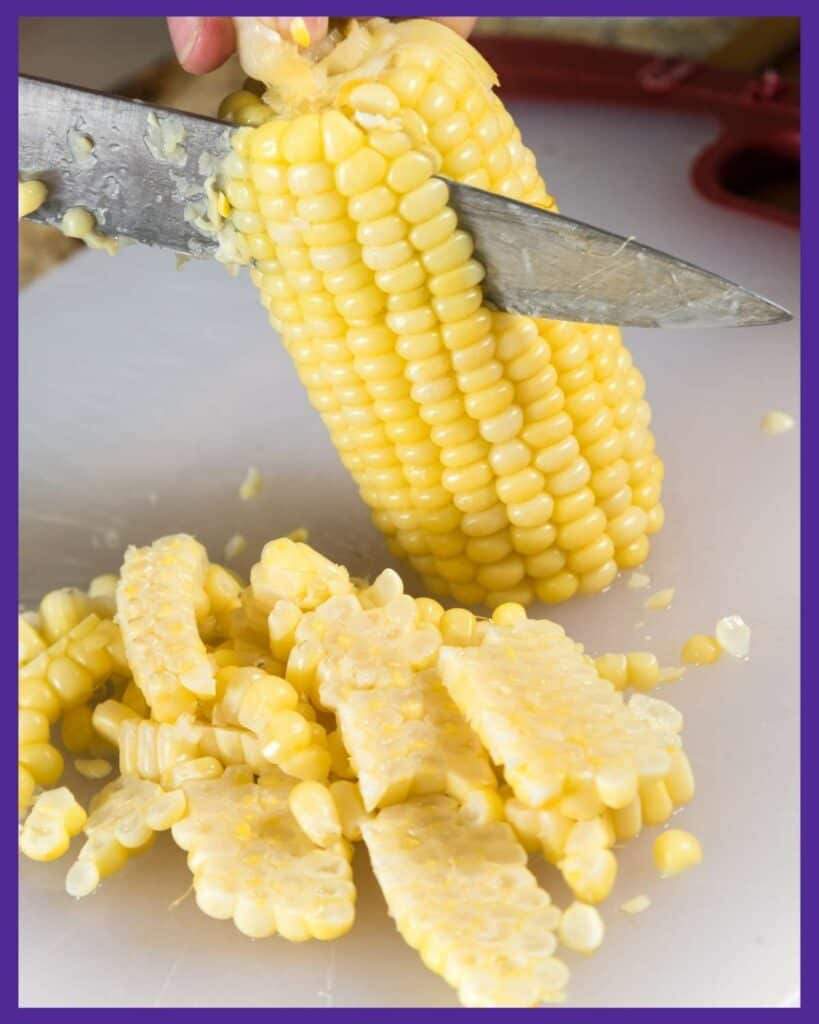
[203, 44]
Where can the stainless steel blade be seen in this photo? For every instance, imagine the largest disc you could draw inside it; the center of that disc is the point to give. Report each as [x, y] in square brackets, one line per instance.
[537, 263]
[134, 188]
[542, 264]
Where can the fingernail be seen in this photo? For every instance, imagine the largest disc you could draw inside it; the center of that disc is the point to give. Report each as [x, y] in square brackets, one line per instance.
[185, 34]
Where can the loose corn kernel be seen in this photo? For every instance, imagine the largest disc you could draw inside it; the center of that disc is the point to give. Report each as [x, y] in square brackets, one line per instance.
[108, 716]
[77, 729]
[54, 819]
[661, 600]
[636, 905]
[670, 674]
[700, 650]
[30, 197]
[643, 670]
[29, 641]
[639, 581]
[581, 928]
[313, 807]
[350, 807]
[93, 768]
[251, 485]
[734, 636]
[676, 851]
[234, 546]
[614, 668]
[777, 422]
[590, 873]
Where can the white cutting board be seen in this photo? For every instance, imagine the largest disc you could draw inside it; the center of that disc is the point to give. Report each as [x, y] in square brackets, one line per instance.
[145, 394]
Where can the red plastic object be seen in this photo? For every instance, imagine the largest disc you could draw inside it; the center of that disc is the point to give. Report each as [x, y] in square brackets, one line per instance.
[760, 127]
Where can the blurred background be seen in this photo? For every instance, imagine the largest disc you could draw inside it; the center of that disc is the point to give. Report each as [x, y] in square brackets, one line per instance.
[132, 56]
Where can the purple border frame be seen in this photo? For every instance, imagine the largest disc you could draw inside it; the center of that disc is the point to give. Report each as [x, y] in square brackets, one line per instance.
[810, 218]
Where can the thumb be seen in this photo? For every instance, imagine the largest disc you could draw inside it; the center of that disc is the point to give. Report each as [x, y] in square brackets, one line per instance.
[202, 44]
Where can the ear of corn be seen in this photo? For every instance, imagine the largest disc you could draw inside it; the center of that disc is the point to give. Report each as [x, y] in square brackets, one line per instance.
[253, 863]
[461, 894]
[507, 458]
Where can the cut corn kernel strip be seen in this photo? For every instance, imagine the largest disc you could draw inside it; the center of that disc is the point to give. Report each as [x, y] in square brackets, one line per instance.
[507, 458]
[160, 590]
[402, 731]
[581, 928]
[559, 730]
[54, 819]
[461, 894]
[122, 820]
[251, 862]
[675, 851]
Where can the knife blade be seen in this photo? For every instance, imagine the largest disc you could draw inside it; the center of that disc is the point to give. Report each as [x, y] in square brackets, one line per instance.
[142, 170]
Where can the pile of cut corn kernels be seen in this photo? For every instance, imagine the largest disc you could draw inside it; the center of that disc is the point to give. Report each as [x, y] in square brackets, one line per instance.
[272, 725]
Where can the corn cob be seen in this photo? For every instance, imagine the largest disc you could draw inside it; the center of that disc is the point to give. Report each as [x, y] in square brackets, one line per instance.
[252, 862]
[505, 457]
[123, 818]
[161, 589]
[461, 894]
[585, 768]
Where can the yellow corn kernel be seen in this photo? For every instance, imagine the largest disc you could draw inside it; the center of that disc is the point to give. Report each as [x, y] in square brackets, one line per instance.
[660, 601]
[628, 820]
[676, 851]
[251, 485]
[590, 873]
[457, 627]
[54, 819]
[25, 788]
[39, 696]
[93, 768]
[483, 805]
[350, 807]
[595, 834]
[43, 761]
[614, 668]
[777, 422]
[60, 611]
[700, 650]
[310, 763]
[282, 623]
[581, 928]
[32, 726]
[313, 807]
[508, 613]
[636, 905]
[656, 803]
[339, 758]
[161, 588]
[429, 610]
[108, 716]
[251, 862]
[680, 780]
[102, 591]
[643, 670]
[29, 641]
[30, 197]
[198, 769]
[77, 729]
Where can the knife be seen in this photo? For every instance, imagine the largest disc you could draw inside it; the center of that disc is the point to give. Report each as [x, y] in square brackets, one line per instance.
[141, 169]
